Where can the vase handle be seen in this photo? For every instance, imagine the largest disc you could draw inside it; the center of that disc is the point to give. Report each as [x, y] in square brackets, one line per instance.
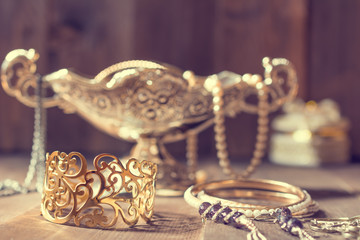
[18, 77]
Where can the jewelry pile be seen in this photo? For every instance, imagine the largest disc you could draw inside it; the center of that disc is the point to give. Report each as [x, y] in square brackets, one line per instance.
[277, 200]
[349, 228]
[74, 193]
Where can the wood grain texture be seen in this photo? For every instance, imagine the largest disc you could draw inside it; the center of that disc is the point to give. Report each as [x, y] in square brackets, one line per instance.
[334, 58]
[167, 224]
[335, 189]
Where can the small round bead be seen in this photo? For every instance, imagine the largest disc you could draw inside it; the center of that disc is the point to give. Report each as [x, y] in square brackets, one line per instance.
[262, 129]
[220, 217]
[248, 213]
[260, 145]
[257, 213]
[261, 138]
[293, 222]
[258, 154]
[223, 155]
[264, 211]
[220, 138]
[219, 128]
[250, 168]
[203, 207]
[271, 211]
[232, 220]
[284, 211]
[220, 146]
[283, 215]
[213, 210]
[263, 121]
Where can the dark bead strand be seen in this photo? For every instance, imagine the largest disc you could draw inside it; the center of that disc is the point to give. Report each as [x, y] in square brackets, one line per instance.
[282, 216]
[290, 224]
[208, 211]
[213, 210]
[223, 213]
[226, 215]
[232, 220]
[203, 207]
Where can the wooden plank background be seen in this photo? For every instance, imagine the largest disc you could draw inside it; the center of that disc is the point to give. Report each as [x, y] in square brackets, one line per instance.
[319, 36]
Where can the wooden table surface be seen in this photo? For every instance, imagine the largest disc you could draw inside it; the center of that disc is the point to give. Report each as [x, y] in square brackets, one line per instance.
[335, 188]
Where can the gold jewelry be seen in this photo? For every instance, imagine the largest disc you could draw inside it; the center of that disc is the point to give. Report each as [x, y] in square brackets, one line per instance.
[219, 126]
[154, 104]
[293, 199]
[72, 192]
[272, 192]
[263, 89]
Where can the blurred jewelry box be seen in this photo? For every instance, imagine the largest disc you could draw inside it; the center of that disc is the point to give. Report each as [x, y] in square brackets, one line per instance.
[310, 134]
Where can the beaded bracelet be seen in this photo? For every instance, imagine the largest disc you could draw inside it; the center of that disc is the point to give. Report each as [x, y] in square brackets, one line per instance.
[255, 210]
[295, 202]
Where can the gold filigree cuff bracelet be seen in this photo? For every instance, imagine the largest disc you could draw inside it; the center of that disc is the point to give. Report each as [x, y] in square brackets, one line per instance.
[97, 197]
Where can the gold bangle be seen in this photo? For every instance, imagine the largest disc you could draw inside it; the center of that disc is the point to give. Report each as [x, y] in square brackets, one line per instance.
[269, 191]
[97, 197]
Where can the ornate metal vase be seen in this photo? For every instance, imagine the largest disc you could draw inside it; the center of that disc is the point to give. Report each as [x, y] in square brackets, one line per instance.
[149, 103]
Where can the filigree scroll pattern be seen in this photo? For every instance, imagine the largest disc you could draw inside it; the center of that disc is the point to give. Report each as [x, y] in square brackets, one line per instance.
[97, 197]
[18, 77]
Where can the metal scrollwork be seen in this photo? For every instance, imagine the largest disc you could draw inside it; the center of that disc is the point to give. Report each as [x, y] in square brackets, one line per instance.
[18, 77]
[154, 103]
[97, 197]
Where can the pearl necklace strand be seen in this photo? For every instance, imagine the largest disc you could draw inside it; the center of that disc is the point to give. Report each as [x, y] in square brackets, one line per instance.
[219, 129]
